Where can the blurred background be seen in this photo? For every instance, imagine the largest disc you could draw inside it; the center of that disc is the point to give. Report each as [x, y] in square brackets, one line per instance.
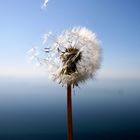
[34, 107]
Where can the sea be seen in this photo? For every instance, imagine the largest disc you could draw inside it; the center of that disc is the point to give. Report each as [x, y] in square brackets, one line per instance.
[34, 108]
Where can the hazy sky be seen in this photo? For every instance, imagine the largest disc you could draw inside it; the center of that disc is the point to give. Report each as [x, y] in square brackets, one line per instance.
[116, 22]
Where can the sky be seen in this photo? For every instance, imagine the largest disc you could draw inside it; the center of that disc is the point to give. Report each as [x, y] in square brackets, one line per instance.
[116, 23]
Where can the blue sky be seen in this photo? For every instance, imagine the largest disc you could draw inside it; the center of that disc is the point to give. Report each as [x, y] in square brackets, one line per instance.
[116, 22]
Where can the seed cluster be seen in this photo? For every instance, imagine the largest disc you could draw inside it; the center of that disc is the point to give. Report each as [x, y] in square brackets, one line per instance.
[70, 58]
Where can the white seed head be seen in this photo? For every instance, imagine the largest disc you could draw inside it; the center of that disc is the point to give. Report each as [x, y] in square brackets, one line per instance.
[74, 56]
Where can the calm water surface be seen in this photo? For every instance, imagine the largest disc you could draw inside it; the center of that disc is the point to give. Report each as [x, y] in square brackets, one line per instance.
[35, 109]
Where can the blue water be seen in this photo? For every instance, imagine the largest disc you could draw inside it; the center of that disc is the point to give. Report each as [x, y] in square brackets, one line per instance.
[35, 109]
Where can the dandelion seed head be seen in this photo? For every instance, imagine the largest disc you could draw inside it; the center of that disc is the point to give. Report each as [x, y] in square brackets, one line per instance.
[75, 56]
[72, 57]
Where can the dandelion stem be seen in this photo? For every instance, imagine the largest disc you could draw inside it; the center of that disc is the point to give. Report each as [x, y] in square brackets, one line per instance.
[69, 113]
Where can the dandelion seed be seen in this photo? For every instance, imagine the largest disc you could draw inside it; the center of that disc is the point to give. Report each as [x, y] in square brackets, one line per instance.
[45, 37]
[33, 53]
[45, 4]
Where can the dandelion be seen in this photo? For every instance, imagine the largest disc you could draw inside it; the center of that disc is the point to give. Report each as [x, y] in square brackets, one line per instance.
[71, 58]
[74, 56]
